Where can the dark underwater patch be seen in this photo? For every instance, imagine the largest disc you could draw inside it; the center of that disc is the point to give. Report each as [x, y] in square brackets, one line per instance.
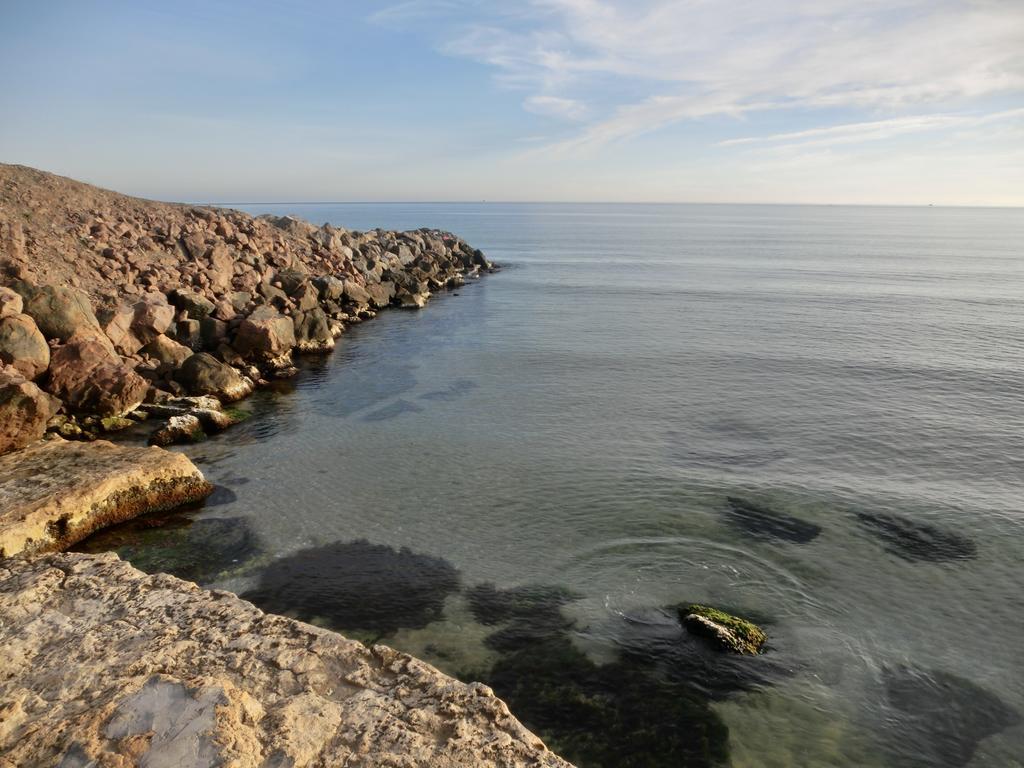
[221, 495]
[607, 716]
[764, 523]
[531, 613]
[453, 391]
[357, 585]
[197, 549]
[392, 410]
[648, 709]
[916, 541]
[940, 718]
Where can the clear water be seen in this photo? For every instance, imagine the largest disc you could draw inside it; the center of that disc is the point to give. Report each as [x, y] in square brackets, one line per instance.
[583, 418]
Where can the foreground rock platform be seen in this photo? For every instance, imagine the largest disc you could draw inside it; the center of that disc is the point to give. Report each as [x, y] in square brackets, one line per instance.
[106, 666]
[54, 493]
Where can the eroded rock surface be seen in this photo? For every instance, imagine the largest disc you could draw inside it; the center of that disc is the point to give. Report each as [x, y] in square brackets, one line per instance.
[55, 492]
[103, 663]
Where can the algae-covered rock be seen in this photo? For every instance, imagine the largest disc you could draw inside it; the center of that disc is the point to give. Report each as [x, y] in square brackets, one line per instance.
[728, 632]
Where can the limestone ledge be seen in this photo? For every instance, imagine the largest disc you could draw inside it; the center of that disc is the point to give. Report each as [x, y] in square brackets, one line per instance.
[54, 493]
[106, 666]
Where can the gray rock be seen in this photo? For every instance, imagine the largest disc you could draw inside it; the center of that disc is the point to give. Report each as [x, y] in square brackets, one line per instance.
[313, 331]
[23, 346]
[61, 312]
[197, 305]
[203, 374]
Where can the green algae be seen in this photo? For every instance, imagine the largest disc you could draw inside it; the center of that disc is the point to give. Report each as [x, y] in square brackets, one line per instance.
[740, 635]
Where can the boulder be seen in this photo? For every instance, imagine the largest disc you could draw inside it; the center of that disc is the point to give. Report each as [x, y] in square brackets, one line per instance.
[23, 346]
[24, 410]
[152, 317]
[330, 287]
[380, 294]
[265, 334]
[306, 296]
[11, 302]
[725, 631]
[221, 269]
[184, 428]
[203, 374]
[190, 333]
[196, 305]
[356, 293]
[61, 312]
[313, 331]
[91, 379]
[117, 325]
[169, 353]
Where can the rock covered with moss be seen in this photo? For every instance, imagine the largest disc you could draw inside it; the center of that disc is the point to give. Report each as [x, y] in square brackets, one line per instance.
[723, 630]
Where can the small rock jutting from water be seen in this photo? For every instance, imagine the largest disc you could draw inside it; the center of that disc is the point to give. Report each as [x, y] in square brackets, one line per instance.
[723, 630]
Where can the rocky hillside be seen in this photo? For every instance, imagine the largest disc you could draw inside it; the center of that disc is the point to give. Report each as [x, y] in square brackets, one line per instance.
[109, 303]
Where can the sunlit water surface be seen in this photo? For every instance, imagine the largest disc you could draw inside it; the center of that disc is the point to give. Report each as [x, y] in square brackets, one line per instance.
[812, 416]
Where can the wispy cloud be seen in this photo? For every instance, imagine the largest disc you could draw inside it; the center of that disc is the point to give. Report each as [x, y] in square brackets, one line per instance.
[641, 65]
[556, 106]
[876, 130]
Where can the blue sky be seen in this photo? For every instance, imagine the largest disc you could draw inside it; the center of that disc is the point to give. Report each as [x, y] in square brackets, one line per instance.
[820, 101]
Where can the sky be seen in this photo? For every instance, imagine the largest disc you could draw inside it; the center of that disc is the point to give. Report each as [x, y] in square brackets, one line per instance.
[814, 101]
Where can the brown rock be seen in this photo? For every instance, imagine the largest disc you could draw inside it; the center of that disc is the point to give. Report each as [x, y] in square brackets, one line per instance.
[117, 325]
[168, 352]
[22, 346]
[24, 411]
[90, 379]
[11, 302]
[265, 334]
[153, 316]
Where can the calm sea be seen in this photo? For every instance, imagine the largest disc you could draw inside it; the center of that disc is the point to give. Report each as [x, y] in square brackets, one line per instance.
[810, 416]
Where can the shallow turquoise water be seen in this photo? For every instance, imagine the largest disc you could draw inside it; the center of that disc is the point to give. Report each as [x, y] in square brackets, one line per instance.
[811, 415]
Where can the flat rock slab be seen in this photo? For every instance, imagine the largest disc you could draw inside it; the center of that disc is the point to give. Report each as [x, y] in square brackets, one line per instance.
[106, 666]
[54, 493]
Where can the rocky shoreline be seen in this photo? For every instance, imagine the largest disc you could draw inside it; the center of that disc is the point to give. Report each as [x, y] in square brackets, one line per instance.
[115, 311]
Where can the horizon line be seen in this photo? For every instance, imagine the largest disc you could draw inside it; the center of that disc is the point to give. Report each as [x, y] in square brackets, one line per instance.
[603, 202]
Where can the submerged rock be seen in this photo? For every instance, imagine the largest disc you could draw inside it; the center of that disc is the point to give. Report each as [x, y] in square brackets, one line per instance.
[55, 493]
[723, 630]
[940, 718]
[357, 585]
[764, 523]
[616, 714]
[168, 673]
[916, 541]
[198, 549]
